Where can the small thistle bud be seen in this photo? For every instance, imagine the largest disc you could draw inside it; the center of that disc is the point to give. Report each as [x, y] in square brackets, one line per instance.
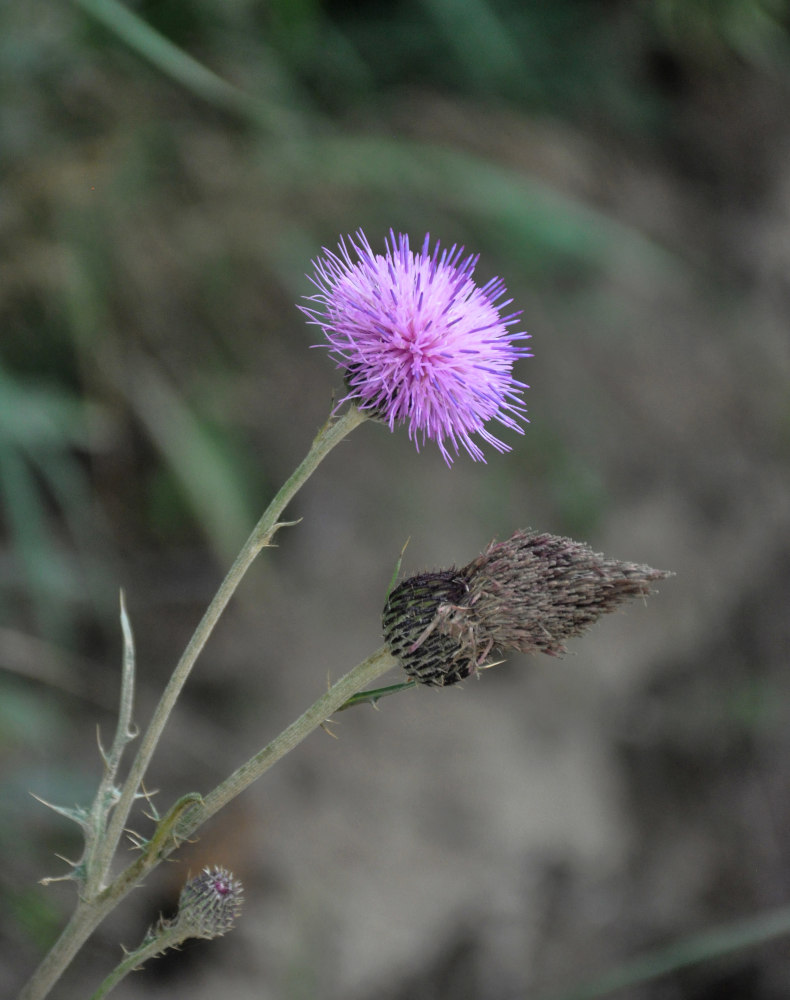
[529, 594]
[209, 904]
[207, 908]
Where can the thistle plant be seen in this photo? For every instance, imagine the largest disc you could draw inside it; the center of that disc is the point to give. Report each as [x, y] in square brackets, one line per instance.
[418, 343]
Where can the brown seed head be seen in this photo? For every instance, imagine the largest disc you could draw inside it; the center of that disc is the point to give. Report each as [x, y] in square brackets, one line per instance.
[529, 593]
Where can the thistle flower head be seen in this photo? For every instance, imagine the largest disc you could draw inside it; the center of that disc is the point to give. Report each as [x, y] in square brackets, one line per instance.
[419, 342]
[209, 904]
[528, 594]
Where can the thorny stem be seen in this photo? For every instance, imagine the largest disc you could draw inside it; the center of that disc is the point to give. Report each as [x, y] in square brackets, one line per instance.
[91, 910]
[89, 915]
[124, 733]
[330, 434]
[184, 823]
[364, 673]
[168, 937]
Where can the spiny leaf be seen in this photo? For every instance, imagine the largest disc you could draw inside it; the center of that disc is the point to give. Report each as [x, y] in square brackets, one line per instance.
[78, 814]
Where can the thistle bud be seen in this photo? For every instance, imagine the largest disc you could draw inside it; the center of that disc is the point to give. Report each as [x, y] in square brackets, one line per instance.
[209, 904]
[528, 594]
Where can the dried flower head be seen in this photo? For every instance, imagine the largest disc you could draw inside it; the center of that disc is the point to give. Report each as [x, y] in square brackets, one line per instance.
[528, 594]
[419, 342]
[209, 904]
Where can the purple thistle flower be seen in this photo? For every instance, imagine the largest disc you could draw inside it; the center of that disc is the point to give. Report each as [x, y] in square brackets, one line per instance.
[419, 342]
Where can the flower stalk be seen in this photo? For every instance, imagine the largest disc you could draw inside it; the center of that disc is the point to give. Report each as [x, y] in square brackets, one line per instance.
[192, 811]
[330, 435]
[100, 895]
[319, 712]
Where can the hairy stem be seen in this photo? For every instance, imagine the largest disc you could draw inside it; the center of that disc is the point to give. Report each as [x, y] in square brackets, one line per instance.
[106, 795]
[330, 435]
[364, 673]
[91, 910]
[159, 941]
[89, 915]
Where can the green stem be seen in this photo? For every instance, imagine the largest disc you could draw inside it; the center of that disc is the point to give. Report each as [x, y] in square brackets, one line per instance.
[363, 674]
[90, 912]
[85, 919]
[165, 938]
[331, 434]
[124, 733]
[89, 915]
[192, 810]
[177, 827]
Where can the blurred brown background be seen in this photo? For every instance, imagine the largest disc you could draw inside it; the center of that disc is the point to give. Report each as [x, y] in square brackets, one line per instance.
[624, 166]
